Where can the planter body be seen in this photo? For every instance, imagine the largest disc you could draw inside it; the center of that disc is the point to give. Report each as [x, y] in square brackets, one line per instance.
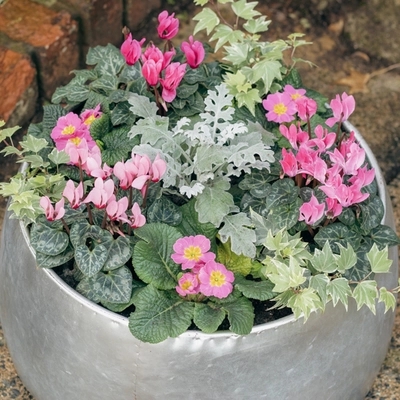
[64, 347]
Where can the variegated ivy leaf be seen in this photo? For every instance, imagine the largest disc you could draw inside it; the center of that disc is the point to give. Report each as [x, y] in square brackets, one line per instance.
[304, 302]
[257, 25]
[207, 19]
[90, 261]
[48, 241]
[33, 144]
[267, 71]
[319, 283]
[237, 53]
[244, 9]
[285, 275]
[387, 298]
[366, 293]
[208, 318]
[339, 289]
[249, 99]
[58, 157]
[225, 34]
[379, 259]
[347, 258]
[159, 314]
[324, 261]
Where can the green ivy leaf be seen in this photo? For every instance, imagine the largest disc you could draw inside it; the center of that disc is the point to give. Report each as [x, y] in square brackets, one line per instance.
[152, 255]
[225, 34]
[379, 259]
[159, 315]
[244, 9]
[285, 276]
[259, 290]
[58, 157]
[339, 289]
[365, 293]
[257, 25]
[208, 317]
[387, 298]
[240, 315]
[48, 241]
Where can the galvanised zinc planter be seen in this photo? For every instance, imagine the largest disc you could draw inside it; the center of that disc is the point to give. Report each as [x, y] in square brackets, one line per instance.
[65, 347]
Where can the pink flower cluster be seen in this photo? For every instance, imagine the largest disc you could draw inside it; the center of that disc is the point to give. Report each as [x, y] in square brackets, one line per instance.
[339, 173]
[206, 276]
[157, 67]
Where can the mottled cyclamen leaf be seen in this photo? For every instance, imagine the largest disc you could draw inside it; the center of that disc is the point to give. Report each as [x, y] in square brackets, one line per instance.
[47, 240]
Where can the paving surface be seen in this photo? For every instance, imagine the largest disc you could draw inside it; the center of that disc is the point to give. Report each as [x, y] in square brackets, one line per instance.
[340, 67]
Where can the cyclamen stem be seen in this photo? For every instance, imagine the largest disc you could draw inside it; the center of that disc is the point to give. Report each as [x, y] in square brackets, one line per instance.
[145, 194]
[89, 210]
[103, 223]
[65, 225]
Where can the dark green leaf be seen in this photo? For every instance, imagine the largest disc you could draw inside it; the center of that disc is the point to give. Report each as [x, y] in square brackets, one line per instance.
[208, 317]
[371, 214]
[335, 234]
[261, 290]
[90, 262]
[283, 192]
[48, 241]
[165, 211]
[240, 315]
[184, 91]
[121, 114]
[119, 253]
[100, 127]
[46, 261]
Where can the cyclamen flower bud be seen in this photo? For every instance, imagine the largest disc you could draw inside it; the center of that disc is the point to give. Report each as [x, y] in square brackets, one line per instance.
[151, 71]
[132, 49]
[169, 25]
[194, 52]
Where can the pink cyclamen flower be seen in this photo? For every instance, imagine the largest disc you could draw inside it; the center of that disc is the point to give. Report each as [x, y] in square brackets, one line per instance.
[289, 163]
[280, 107]
[216, 280]
[191, 250]
[151, 71]
[154, 53]
[306, 108]
[311, 211]
[194, 52]
[168, 25]
[188, 284]
[77, 150]
[294, 93]
[131, 49]
[52, 214]
[294, 135]
[88, 116]
[101, 193]
[341, 108]
[137, 219]
[73, 195]
[334, 208]
[158, 168]
[70, 128]
[173, 76]
[116, 209]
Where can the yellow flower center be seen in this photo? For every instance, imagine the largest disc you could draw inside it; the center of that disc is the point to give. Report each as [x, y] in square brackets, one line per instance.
[295, 96]
[75, 141]
[280, 108]
[217, 278]
[68, 130]
[89, 120]
[186, 285]
[192, 253]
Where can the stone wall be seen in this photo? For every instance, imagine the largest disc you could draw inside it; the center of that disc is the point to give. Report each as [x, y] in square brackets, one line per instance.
[41, 41]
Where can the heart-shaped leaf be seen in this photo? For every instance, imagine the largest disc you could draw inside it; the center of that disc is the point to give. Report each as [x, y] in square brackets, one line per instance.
[47, 240]
[89, 261]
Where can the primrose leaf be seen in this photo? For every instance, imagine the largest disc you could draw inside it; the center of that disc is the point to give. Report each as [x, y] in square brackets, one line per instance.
[379, 259]
[207, 19]
[152, 255]
[339, 289]
[159, 315]
[240, 315]
[48, 241]
[208, 317]
[365, 293]
[387, 298]
[262, 290]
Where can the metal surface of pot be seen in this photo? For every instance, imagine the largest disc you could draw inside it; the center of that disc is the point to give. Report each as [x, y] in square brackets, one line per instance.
[65, 347]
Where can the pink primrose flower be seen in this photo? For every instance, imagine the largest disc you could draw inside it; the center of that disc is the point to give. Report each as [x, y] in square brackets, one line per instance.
[188, 284]
[173, 76]
[116, 209]
[70, 128]
[216, 280]
[311, 211]
[191, 250]
[342, 108]
[73, 195]
[168, 25]
[306, 108]
[131, 49]
[151, 71]
[88, 116]
[280, 107]
[101, 193]
[194, 52]
[295, 94]
[52, 214]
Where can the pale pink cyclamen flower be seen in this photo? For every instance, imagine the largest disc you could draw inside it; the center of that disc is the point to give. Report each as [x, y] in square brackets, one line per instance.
[323, 139]
[168, 25]
[73, 195]
[101, 193]
[131, 49]
[173, 76]
[191, 250]
[342, 108]
[151, 71]
[334, 208]
[137, 219]
[363, 177]
[77, 150]
[194, 52]
[70, 128]
[158, 168]
[116, 209]
[295, 94]
[52, 214]
[216, 280]
[351, 161]
[188, 284]
[94, 169]
[88, 116]
[311, 211]
[280, 107]
[126, 173]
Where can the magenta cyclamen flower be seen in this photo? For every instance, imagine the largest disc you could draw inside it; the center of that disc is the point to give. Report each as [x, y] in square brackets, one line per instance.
[151, 71]
[131, 49]
[88, 116]
[73, 195]
[194, 52]
[341, 108]
[311, 211]
[52, 214]
[280, 107]
[168, 25]
[216, 280]
[192, 250]
[188, 284]
[173, 76]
